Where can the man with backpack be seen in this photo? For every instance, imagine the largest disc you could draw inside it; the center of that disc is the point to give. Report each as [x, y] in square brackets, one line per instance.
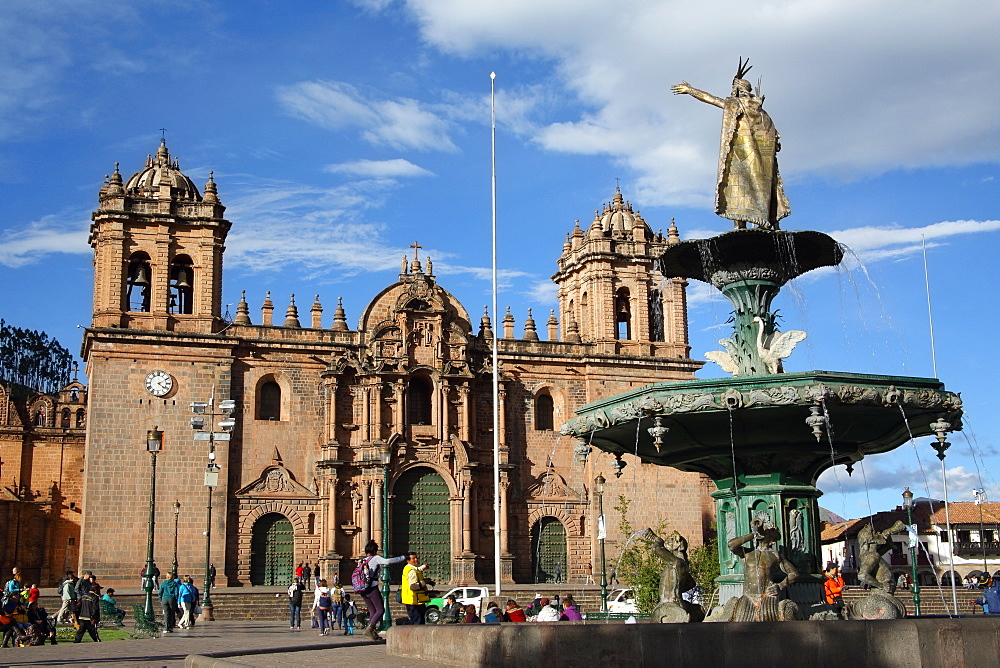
[295, 604]
[67, 592]
[337, 612]
[365, 580]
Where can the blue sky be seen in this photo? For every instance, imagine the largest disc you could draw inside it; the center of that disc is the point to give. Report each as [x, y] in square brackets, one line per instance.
[340, 132]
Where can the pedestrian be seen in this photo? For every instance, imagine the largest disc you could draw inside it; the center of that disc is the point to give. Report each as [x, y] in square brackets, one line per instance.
[67, 592]
[109, 598]
[82, 585]
[187, 596]
[33, 594]
[559, 573]
[547, 613]
[414, 588]
[307, 575]
[15, 585]
[298, 571]
[590, 574]
[365, 580]
[89, 615]
[570, 613]
[350, 614]
[336, 581]
[613, 575]
[534, 606]
[990, 600]
[211, 575]
[833, 588]
[322, 602]
[337, 613]
[470, 616]
[295, 604]
[901, 582]
[169, 590]
[493, 614]
[452, 610]
[513, 612]
[39, 628]
[16, 629]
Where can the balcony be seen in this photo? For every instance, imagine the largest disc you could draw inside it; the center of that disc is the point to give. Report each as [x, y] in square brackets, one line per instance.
[972, 549]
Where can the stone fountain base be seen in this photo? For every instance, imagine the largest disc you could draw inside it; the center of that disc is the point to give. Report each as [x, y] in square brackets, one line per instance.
[969, 641]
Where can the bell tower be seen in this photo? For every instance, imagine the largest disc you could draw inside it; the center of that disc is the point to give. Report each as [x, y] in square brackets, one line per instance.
[610, 291]
[158, 246]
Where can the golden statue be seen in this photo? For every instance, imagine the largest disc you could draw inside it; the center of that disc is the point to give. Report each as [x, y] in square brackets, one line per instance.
[749, 188]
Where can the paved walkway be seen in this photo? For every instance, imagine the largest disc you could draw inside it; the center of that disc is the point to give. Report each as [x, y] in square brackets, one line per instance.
[247, 643]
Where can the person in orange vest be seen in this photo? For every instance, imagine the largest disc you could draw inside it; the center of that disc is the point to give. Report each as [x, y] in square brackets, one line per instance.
[833, 588]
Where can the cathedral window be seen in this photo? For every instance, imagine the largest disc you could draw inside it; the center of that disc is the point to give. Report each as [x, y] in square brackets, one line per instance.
[623, 315]
[418, 400]
[543, 412]
[137, 283]
[181, 282]
[269, 401]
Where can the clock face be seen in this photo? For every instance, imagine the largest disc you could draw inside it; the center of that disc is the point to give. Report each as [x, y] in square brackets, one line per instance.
[159, 383]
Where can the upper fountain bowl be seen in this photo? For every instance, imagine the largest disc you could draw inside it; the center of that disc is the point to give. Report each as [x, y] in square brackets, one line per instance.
[776, 256]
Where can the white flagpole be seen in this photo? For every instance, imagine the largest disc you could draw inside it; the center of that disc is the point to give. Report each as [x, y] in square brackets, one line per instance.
[496, 365]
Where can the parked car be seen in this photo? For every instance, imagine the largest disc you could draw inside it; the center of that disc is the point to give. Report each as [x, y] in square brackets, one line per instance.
[622, 601]
[464, 595]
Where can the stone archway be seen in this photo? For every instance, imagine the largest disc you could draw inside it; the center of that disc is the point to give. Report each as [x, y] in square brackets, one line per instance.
[272, 551]
[548, 550]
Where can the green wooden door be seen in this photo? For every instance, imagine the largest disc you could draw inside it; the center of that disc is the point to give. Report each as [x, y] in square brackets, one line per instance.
[548, 550]
[421, 522]
[272, 551]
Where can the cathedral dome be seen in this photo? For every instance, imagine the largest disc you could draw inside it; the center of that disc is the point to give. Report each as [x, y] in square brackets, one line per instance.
[618, 216]
[161, 170]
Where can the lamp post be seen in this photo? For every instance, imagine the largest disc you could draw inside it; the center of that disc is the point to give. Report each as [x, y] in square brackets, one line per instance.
[601, 532]
[177, 514]
[385, 454]
[980, 500]
[202, 409]
[908, 503]
[154, 442]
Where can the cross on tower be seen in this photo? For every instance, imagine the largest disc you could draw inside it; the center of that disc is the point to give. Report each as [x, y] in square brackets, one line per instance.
[163, 134]
[416, 247]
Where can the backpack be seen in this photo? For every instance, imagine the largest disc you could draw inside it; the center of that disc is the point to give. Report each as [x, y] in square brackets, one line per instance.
[325, 602]
[352, 611]
[363, 578]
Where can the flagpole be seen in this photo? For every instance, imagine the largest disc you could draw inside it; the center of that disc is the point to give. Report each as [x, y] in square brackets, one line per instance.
[496, 365]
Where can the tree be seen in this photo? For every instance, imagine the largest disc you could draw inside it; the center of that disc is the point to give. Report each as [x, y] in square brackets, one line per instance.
[33, 360]
[637, 564]
[703, 564]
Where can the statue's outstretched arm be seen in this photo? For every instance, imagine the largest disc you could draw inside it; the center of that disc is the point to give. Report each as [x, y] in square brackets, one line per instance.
[684, 88]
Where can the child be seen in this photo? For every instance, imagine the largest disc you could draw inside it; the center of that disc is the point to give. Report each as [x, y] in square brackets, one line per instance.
[350, 614]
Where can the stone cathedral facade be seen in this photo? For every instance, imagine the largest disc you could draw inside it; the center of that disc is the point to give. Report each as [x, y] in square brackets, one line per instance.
[319, 401]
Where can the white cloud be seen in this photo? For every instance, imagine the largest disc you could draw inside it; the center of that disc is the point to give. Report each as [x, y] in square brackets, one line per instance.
[848, 90]
[403, 123]
[884, 475]
[65, 232]
[543, 292]
[378, 168]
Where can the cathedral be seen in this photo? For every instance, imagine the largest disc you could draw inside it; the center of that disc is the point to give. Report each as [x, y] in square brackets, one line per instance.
[337, 430]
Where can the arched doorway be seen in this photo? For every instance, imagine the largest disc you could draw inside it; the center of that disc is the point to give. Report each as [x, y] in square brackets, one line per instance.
[272, 551]
[421, 521]
[548, 550]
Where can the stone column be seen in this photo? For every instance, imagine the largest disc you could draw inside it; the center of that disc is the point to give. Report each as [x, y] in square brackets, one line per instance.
[504, 518]
[503, 417]
[466, 519]
[463, 413]
[379, 532]
[398, 389]
[331, 517]
[366, 511]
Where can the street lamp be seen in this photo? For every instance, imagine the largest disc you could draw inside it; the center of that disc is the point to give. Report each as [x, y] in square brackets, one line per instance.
[385, 454]
[980, 500]
[177, 514]
[912, 530]
[154, 443]
[601, 532]
[201, 410]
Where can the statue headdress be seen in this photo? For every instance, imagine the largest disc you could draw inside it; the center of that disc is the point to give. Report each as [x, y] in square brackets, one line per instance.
[741, 72]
